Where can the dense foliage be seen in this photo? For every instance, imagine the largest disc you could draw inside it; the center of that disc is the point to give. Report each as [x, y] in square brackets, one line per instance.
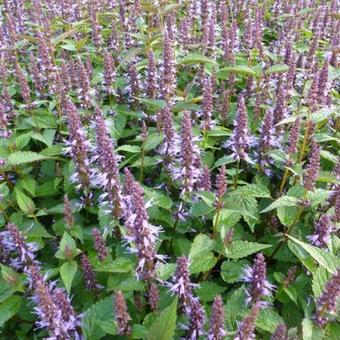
[169, 169]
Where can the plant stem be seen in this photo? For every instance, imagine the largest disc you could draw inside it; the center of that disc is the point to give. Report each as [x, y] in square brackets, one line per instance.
[215, 224]
[284, 179]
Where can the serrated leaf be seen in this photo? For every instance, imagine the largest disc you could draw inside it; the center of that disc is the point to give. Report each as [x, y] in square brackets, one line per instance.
[195, 58]
[94, 317]
[284, 201]
[22, 157]
[329, 261]
[310, 331]
[268, 320]
[120, 265]
[152, 141]
[280, 68]
[239, 249]
[232, 271]
[129, 148]
[163, 328]
[202, 244]
[67, 272]
[238, 69]
[24, 202]
[320, 278]
[8, 308]
[208, 290]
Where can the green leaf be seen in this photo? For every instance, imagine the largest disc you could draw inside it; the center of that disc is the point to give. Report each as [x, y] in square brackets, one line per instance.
[280, 68]
[235, 307]
[268, 320]
[163, 328]
[9, 308]
[22, 157]
[310, 331]
[24, 202]
[329, 261]
[153, 103]
[202, 263]
[239, 249]
[232, 271]
[208, 290]
[320, 278]
[202, 244]
[157, 198]
[28, 183]
[284, 201]
[95, 316]
[120, 265]
[195, 58]
[67, 272]
[67, 248]
[129, 148]
[152, 141]
[238, 69]
[255, 190]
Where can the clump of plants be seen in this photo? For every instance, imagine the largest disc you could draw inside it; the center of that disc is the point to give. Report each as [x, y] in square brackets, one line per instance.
[169, 169]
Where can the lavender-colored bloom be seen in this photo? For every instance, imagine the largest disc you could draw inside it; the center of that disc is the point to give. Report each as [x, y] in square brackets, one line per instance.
[280, 332]
[326, 303]
[151, 84]
[207, 104]
[313, 167]
[189, 173]
[267, 140]
[313, 94]
[89, 275]
[168, 79]
[109, 72]
[221, 186]
[336, 216]
[196, 320]
[280, 111]
[322, 233]
[68, 215]
[122, 315]
[78, 146]
[108, 177]
[259, 287]
[290, 277]
[153, 295]
[323, 85]
[293, 138]
[128, 185]
[24, 87]
[96, 29]
[240, 139]
[169, 147]
[205, 180]
[141, 234]
[83, 85]
[133, 80]
[181, 284]
[246, 328]
[15, 241]
[217, 330]
[99, 244]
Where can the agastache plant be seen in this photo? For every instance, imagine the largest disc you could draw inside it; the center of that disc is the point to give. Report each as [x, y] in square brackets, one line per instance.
[313, 167]
[322, 232]
[217, 330]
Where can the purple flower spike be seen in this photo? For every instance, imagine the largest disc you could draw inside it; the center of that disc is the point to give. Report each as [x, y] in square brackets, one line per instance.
[78, 147]
[240, 139]
[294, 137]
[89, 275]
[313, 167]
[259, 287]
[217, 329]
[123, 317]
[207, 104]
[151, 85]
[197, 320]
[99, 244]
[323, 231]
[189, 173]
[246, 328]
[108, 177]
[181, 284]
[280, 333]
[141, 234]
[109, 72]
[153, 296]
[326, 303]
[221, 185]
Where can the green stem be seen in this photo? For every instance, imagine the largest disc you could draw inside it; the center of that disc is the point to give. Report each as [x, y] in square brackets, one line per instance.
[215, 225]
[284, 179]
